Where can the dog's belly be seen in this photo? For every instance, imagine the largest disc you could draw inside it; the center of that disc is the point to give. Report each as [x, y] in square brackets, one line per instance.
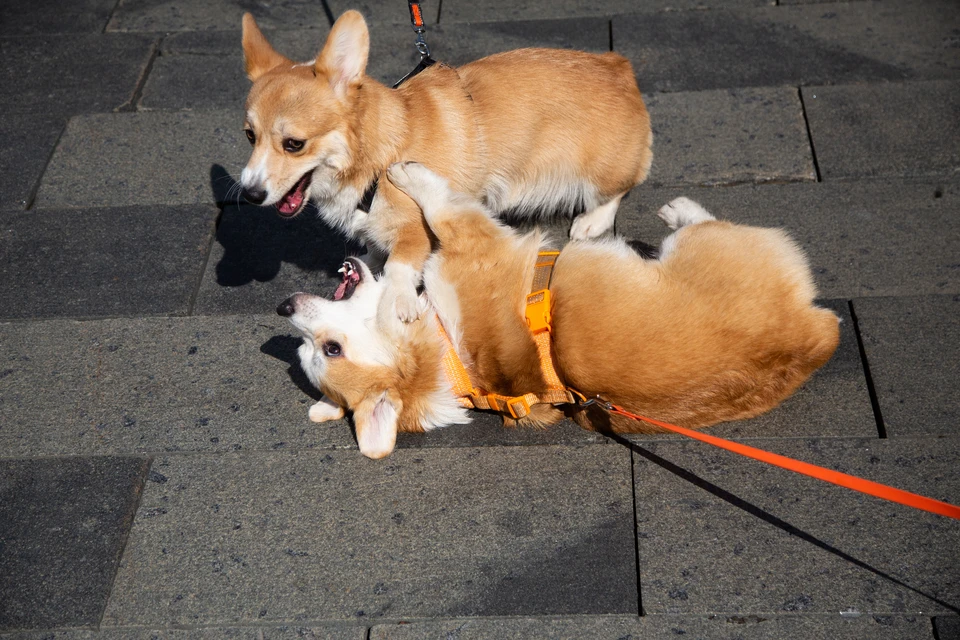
[544, 196]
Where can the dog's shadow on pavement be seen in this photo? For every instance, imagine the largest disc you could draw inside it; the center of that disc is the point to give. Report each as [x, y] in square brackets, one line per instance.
[257, 241]
[284, 348]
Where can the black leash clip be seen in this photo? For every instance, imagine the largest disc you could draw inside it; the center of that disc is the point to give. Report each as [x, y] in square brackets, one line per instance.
[416, 19]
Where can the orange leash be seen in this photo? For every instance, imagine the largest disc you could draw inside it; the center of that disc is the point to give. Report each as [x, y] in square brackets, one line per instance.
[835, 477]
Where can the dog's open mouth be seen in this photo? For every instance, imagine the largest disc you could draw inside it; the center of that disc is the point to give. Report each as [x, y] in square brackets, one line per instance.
[292, 202]
[352, 275]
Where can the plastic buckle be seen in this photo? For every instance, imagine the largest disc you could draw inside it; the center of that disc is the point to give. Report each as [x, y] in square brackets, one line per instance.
[538, 311]
[524, 407]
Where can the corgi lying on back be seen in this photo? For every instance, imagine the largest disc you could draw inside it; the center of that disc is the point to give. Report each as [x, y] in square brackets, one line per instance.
[533, 131]
[721, 326]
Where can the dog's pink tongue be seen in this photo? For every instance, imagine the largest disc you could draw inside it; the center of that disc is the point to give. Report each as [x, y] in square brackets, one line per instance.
[292, 201]
[338, 294]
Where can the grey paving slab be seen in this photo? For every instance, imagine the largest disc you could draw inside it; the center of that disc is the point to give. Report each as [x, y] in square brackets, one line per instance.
[155, 385]
[26, 142]
[863, 238]
[323, 630]
[487, 430]
[834, 402]
[909, 128]
[720, 533]
[119, 159]
[913, 347]
[202, 70]
[467, 11]
[948, 627]
[213, 15]
[69, 74]
[63, 523]
[443, 532]
[23, 17]
[384, 11]
[729, 137]
[658, 626]
[102, 262]
[771, 46]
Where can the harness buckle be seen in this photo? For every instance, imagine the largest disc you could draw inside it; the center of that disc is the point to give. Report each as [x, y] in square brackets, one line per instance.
[521, 409]
[538, 311]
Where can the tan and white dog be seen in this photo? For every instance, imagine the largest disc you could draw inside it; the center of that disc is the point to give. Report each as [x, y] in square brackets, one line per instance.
[532, 131]
[721, 326]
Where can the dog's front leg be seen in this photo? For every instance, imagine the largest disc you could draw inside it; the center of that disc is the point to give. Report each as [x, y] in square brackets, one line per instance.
[408, 239]
[326, 409]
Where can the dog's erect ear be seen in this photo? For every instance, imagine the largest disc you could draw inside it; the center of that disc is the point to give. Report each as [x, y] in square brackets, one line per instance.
[258, 56]
[344, 57]
[376, 421]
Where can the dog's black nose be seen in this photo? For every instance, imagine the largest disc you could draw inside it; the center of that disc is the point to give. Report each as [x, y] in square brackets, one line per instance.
[254, 195]
[285, 308]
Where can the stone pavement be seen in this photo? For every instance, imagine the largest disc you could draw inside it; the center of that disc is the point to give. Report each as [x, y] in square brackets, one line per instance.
[159, 476]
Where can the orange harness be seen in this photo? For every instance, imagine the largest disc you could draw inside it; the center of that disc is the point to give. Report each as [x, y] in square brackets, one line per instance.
[538, 320]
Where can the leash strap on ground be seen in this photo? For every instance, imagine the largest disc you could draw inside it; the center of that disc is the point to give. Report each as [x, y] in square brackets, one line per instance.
[835, 477]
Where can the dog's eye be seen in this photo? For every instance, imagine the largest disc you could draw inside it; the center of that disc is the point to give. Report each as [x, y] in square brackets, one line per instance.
[250, 135]
[332, 349]
[292, 145]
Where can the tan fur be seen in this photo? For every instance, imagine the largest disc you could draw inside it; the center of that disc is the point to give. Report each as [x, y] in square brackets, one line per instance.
[517, 129]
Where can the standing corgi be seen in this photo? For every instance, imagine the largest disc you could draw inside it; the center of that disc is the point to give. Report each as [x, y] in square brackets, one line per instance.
[533, 131]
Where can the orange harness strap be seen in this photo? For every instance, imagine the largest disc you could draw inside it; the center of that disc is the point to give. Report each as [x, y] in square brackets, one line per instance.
[538, 319]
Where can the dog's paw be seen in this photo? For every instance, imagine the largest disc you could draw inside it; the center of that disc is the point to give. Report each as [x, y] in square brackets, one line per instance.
[410, 175]
[682, 211]
[586, 227]
[407, 305]
[324, 411]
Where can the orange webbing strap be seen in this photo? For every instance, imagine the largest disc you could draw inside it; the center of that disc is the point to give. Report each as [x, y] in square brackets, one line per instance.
[835, 477]
[538, 320]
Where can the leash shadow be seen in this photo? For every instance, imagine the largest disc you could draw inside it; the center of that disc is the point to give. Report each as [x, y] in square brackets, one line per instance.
[257, 242]
[769, 518]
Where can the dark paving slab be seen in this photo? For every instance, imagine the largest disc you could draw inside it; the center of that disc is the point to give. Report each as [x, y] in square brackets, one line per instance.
[259, 259]
[771, 46]
[26, 142]
[324, 630]
[102, 262]
[909, 128]
[948, 627]
[213, 15]
[155, 385]
[68, 74]
[63, 524]
[120, 159]
[203, 70]
[444, 532]
[467, 11]
[834, 402]
[29, 17]
[863, 238]
[722, 533]
[729, 137]
[731, 627]
[913, 347]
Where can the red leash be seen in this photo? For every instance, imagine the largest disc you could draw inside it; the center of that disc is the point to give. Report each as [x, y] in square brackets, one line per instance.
[812, 470]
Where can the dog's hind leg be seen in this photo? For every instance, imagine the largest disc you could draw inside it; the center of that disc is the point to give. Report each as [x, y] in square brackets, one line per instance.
[682, 211]
[679, 213]
[597, 222]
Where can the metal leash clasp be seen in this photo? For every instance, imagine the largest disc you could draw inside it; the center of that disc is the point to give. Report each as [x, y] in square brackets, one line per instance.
[583, 401]
[416, 19]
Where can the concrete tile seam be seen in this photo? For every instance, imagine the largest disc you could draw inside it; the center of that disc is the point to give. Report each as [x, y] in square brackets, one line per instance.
[32, 196]
[192, 302]
[134, 103]
[806, 122]
[865, 362]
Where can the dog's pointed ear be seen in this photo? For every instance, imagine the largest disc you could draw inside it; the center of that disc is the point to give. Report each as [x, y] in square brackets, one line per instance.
[343, 59]
[258, 56]
[376, 421]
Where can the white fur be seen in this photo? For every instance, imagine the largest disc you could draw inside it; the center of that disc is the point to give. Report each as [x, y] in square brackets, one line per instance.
[548, 194]
[677, 214]
[597, 222]
[325, 410]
